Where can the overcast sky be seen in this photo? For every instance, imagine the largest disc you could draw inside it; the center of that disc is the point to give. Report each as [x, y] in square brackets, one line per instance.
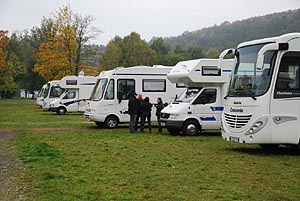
[147, 17]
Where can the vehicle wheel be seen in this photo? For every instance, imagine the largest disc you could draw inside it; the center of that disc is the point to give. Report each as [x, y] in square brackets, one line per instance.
[111, 122]
[99, 124]
[191, 128]
[61, 111]
[173, 131]
[269, 147]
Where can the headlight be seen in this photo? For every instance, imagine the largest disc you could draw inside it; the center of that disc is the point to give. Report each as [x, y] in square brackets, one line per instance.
[257, 125]
[174, 116]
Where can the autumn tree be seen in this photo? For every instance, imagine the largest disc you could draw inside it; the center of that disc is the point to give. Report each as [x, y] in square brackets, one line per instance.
[10, 66]
[113, 55]
[62, 54]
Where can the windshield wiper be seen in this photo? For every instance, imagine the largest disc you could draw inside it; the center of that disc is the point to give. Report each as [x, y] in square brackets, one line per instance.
[246, 93]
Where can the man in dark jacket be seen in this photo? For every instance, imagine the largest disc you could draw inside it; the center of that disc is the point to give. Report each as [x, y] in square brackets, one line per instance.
[132, 111]
[159, 108]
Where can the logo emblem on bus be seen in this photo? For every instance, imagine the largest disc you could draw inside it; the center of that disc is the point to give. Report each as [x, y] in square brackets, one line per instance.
[236, 110]
[237, 102]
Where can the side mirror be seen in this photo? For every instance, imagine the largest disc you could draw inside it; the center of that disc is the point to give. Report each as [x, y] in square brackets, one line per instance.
[268, 47]
[226, 52]
[260, 62]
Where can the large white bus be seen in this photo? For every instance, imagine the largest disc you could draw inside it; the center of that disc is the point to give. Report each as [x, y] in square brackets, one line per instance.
[108, 104]
[200, 107]
[78, 89]
[262, 105]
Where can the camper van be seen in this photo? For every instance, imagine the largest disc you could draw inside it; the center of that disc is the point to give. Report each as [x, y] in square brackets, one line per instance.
[108, 104]
[52, 92]
[262, 105]
[40, 98]
[201, 105]
[77, 91]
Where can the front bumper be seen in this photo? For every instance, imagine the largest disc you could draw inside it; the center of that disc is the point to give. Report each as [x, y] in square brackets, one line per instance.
[171, 124]
[53, 109]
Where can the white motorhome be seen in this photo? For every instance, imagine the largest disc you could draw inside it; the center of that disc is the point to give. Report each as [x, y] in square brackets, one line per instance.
[200, 107]
[108, 104]
[40, 96]
[263, 101]
[52, 92]
[78, 89]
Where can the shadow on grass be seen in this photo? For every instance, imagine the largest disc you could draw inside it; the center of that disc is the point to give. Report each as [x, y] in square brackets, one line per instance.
[281, 151]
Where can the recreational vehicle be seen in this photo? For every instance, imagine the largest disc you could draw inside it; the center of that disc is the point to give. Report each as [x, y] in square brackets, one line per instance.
[262, 105]
[200, 107]
[40, 96]
[108, 104]
[52, 91]
[77, 91]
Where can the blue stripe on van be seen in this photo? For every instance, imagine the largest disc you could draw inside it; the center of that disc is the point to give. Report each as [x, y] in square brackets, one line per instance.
[208, 118]
[219, 108]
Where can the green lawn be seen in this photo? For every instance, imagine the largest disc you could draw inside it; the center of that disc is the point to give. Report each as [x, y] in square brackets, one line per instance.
[66, 158]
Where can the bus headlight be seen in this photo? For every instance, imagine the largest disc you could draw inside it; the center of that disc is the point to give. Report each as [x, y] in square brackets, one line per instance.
[257, 125]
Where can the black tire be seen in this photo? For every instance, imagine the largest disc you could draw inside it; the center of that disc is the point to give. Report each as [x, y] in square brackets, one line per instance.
[269, 147]
[191, 128]
[111, 122]
[61, 111]
[173, 131]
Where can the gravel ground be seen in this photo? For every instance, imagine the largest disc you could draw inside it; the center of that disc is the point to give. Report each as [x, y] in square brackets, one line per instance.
[11, 170]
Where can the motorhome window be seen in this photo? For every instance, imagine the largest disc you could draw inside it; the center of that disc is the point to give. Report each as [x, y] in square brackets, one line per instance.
[154, 85]
[56, 91]
[247, 80]
[211, 71]
[110, 92]
[207, 96]
[288, 83]
[180, 85]
[70, 95]
[126, 87]
[188, 96]
[71, 82]
[99, 89]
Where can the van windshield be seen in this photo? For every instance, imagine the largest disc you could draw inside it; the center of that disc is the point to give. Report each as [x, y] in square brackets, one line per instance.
[99, 89]
[246, 80]
[188, 96]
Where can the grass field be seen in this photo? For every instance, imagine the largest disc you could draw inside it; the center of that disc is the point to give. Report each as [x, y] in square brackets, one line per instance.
[66, 158]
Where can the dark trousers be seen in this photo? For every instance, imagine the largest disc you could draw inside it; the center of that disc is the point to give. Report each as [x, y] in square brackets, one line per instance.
[143, 123]
[159, 124]
[138, 118]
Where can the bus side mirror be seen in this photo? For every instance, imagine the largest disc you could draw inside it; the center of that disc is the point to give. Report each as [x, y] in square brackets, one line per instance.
[260, 62]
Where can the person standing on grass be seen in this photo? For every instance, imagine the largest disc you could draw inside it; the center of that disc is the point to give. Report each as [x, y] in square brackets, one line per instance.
[132, 111]
[146, 107]
[159, 108]
[139, 100]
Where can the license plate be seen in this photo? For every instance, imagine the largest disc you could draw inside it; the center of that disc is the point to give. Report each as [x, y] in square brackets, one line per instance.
[234, 139]
[163, 124]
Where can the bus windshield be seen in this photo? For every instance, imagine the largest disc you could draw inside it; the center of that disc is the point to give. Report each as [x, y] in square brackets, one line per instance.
[98, 90]
[246, 79]
[188, 95]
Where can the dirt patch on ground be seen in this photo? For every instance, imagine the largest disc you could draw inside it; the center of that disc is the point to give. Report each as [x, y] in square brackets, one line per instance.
[11, 170]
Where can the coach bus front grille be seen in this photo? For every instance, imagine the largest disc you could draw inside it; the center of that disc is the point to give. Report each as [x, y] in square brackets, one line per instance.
[236, 121]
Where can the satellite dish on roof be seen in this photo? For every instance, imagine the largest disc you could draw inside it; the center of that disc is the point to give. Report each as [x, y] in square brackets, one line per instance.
[81, 73]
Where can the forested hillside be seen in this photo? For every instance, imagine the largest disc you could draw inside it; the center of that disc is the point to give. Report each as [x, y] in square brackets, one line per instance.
[229, 35]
